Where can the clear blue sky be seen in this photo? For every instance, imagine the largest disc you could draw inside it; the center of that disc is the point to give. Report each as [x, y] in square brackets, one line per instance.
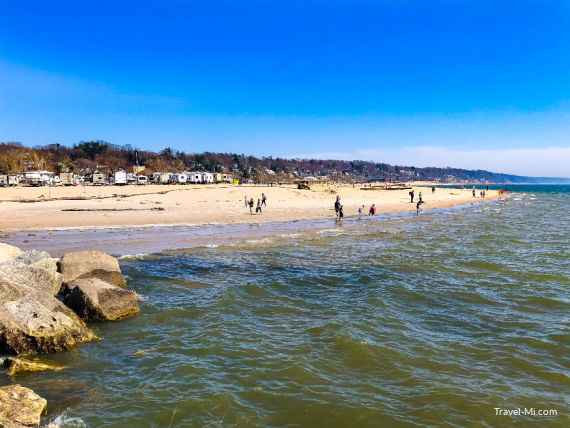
[476, 84]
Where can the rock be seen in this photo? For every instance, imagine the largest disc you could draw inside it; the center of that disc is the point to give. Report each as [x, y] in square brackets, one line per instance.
[38, 323]
[32, 320]
[93, 299]
[38, 259]
[91, 264]
[16, 366]
[8, 252]
[20, 407]
[30, 277]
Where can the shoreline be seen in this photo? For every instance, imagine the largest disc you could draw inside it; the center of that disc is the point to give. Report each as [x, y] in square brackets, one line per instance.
[172, 206]
[135, 240]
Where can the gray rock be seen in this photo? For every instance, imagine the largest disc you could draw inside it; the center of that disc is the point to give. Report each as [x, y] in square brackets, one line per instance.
[8, 252]
[30, 277]
[32, 320]
[91, 264]
[20, 407]
[38, 259]
[93, 299]
[38, 323]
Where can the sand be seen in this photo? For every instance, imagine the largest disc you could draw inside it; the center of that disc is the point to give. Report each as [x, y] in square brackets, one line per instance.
[52, 208]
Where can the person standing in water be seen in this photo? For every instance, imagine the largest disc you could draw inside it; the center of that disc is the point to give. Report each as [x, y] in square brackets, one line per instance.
[340, 213]
[372, 211]
[418, 207]
[337, 205]
[360, 211]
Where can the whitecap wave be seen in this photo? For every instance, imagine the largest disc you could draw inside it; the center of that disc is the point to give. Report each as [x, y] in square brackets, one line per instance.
[139, 256]
[66, 421]
[141, 297]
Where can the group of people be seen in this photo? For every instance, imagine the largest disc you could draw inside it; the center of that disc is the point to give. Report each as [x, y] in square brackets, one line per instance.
[420, 196]
[420, 200]
[260, 202]
[338, 208]
[372, 211]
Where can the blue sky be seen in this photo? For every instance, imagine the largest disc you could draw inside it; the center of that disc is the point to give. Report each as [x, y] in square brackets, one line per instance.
[474, 84]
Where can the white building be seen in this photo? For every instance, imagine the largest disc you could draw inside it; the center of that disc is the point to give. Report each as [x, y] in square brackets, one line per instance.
[120, 178]
[181, 178]
[207, 177]
[194, 177]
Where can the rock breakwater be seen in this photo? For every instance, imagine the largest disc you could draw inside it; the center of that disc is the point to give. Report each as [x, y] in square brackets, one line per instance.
[44, 304]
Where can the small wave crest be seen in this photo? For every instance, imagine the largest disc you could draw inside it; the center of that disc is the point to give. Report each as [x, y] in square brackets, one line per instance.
[141, 297]
[66, 421]
[139, 256]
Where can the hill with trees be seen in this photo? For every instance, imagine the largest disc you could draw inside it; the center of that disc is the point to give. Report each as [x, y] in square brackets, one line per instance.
[101, 156]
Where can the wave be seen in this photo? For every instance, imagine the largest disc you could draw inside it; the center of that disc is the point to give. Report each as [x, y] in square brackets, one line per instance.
[139, 256]
[64, 420]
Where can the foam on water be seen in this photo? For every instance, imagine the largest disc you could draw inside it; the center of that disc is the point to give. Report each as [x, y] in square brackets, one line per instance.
[64, 420]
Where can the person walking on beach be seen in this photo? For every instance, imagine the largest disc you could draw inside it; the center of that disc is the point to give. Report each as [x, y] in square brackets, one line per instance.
[246, 201]
[420, 196]
[258, 208]
[433, 189]
[473, 191]
[263, 200]
[412, 196]
[372, 211]
[251, 206]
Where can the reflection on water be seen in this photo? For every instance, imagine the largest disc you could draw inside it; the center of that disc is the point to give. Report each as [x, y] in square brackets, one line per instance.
[431, 320]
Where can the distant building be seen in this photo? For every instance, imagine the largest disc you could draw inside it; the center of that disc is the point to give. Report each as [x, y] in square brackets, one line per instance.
[135, 169]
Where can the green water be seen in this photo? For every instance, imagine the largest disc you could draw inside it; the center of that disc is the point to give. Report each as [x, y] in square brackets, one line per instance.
[433, 320]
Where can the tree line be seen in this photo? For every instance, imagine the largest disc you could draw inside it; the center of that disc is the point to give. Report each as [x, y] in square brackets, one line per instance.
[101, 156]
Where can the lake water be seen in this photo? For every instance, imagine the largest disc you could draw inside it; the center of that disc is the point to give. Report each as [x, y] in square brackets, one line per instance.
[433, 320]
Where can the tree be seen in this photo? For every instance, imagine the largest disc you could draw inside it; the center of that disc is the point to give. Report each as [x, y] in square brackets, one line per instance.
[167, 153]
[93, 148]
[112, 163]
[37, 160]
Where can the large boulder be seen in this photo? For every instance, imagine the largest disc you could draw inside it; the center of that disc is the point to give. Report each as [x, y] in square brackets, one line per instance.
[37, 323]
[30, 277]
[38, 259]
[8, 252]
[20, 407]
[93, 299]
[91, 264]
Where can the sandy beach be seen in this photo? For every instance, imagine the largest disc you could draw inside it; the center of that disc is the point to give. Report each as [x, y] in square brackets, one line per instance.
[53, 208]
